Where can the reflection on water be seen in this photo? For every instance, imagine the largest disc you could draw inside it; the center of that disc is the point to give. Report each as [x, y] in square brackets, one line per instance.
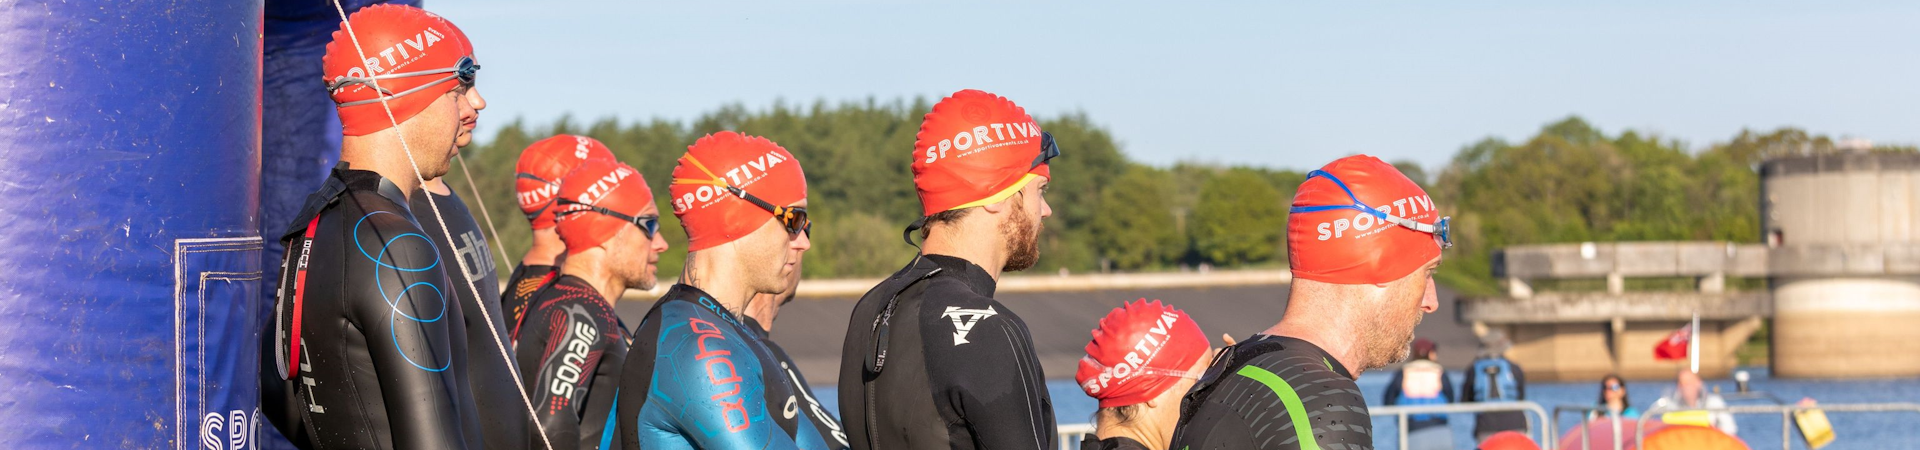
[1761, 431]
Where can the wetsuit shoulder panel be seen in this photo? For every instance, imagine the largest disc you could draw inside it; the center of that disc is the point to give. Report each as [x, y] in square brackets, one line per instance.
[707, 386]
[1288, 396]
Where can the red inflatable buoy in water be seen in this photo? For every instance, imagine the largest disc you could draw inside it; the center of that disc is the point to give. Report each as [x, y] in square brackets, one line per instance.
[1688, 437]
[1508, 440]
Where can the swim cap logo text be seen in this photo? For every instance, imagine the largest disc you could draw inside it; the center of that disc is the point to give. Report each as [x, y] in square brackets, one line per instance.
[1136, 359]
[982, 138]
[1409, 208]
[422, 40]
[739, 176]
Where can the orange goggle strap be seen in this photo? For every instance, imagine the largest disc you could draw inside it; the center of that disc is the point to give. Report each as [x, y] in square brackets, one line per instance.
[778, 212]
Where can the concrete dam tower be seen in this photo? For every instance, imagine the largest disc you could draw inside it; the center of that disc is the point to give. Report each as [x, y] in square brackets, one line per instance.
[1844, 232]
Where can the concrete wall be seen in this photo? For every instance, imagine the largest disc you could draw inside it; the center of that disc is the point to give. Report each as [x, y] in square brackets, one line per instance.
[1587, 351]
[1846, 264]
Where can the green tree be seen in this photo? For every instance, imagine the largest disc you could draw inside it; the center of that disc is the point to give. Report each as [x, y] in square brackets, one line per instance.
[1135, 228]
[1239, 220]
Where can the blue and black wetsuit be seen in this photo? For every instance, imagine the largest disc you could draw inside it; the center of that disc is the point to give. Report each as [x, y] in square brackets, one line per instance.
[823, 421]
[496, 392]
[699, 378]
[571, 349]
[367, 349]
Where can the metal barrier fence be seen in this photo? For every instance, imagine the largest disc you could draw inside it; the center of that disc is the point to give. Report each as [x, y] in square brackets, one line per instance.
[1070, 434]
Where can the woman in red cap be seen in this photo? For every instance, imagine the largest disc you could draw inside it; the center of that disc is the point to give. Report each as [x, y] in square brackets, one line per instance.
[1142, 359]
[1364, 242]
[931, 360]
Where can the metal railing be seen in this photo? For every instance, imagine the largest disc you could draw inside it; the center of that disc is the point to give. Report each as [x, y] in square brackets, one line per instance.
[1400, 414]
[1785, 411]
[1071, 433]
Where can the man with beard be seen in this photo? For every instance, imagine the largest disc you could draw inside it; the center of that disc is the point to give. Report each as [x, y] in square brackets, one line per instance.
[359, 354]
[1364, 242]
[698, 376]
[536, 184]
[572, 344]
[931, 360]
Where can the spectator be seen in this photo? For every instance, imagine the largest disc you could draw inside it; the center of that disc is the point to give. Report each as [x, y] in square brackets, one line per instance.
[1494, 378]
[1691, 394]
[1613, 397]
[1421, 381]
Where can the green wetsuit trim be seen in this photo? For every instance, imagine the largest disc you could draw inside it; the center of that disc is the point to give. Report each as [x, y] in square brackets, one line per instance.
[1302, 426]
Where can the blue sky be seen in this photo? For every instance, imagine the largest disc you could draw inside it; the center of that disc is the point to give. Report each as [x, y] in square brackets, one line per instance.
[1291, 85]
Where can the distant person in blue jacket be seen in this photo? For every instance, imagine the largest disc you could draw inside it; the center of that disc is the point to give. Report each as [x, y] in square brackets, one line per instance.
[1494, 378]
[1421, 381]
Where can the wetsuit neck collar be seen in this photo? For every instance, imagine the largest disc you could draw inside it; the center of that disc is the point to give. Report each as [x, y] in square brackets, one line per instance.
[1291, 342]
[367, 180]
[688, 293]
[755, 327]
[1112, 443]
[976, 278]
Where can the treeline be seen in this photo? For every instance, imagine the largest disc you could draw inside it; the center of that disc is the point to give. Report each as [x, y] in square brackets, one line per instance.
[1569, 183]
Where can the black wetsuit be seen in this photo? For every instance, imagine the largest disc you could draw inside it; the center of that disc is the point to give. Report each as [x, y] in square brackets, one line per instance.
[571, 350]
[823, 422]
[931, 360]
[1112, 443]
[522, 285]
[1274, 392]
[699, 378]
[503, 413]
[383, 361]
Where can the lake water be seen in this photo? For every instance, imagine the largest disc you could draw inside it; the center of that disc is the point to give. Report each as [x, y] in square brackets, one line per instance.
[1761, 431]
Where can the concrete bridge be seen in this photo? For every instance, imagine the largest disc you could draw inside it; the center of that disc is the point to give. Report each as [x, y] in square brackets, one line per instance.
[1841, 283]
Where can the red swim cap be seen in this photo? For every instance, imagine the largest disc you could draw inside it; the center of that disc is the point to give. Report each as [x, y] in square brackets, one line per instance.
[605, 184]
[1139, 351]
[1347, 246]
[542, 165]
[973, 149]
[711, 214]
[395, 39]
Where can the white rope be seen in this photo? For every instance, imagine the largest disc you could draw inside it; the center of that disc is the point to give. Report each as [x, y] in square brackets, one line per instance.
[444, 231]
[484, 216]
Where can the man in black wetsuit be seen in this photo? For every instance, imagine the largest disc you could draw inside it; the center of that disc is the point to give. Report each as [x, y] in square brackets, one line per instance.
[1364, 242]
[698, 376]
[468, 259]
[365, 351]
[931, 360]
[572, 344]
[761, 311]
[536, 184]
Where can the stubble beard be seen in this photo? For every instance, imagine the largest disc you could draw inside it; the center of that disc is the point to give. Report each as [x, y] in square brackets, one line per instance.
[1023, 241]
